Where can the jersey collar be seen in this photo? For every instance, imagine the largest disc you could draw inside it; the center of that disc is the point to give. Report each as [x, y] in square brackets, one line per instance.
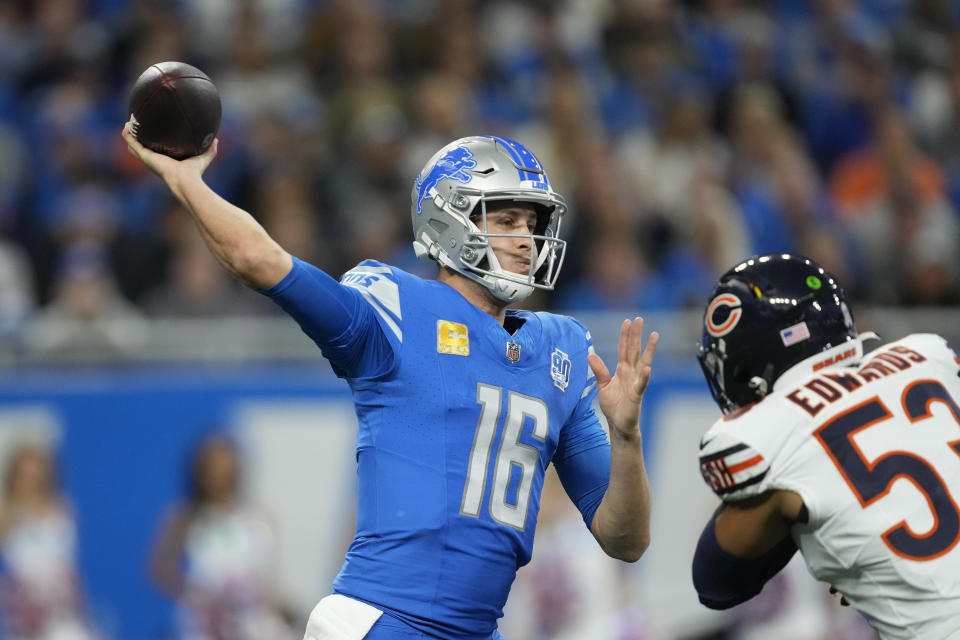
[846, 354]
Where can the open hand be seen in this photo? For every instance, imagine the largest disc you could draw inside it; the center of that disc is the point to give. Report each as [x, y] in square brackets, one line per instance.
[620, 395]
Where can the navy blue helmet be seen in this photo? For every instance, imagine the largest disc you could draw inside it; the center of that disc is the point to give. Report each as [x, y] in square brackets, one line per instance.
[765, 315]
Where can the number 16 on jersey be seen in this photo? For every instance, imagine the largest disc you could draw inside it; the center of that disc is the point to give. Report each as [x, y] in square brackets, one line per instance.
[511, 452]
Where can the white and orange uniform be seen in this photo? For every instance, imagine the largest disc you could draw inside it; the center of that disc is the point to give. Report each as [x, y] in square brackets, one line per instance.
[872, 445]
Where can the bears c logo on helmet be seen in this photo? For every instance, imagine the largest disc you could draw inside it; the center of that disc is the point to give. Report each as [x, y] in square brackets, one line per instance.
[726, 323]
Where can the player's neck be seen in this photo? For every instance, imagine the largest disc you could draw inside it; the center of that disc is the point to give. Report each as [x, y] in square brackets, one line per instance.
[475, 293]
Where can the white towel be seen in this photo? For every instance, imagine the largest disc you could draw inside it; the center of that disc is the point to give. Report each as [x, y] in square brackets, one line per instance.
[338, 617]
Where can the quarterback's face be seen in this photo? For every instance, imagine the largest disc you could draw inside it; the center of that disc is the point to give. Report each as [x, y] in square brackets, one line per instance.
[515, 254]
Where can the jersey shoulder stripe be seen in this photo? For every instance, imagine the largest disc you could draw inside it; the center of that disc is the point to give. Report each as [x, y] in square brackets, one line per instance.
[380, 288]
[733, 470]
[591, 379]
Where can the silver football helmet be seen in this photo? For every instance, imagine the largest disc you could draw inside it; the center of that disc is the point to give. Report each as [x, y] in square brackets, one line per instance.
[449, 211]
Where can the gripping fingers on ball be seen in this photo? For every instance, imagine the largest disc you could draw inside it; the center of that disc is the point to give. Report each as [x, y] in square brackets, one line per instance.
[134, 126]
[128, 135]
[133, 145]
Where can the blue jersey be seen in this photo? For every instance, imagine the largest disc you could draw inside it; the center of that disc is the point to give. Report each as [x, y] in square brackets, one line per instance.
[458, 420]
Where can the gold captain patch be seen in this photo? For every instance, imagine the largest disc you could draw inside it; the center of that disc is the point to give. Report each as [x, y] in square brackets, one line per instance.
[452, 338]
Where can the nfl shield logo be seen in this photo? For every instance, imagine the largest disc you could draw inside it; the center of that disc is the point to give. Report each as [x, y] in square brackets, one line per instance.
[513, 352]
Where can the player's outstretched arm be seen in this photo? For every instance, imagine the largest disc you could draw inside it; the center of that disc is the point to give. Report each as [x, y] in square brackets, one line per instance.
[237, 241]
[743, 545]
[622, 522]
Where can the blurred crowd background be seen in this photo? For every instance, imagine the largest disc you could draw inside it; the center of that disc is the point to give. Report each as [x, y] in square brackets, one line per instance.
[685, 135]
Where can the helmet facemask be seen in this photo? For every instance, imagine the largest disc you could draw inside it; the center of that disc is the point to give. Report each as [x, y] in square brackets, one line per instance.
[546, 253]
[450, 217]
[735, 384]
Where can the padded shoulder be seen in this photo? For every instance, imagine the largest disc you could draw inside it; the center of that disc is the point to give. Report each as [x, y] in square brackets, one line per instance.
[379, 284]
[925, 345]
[575, 338]
[569, 330]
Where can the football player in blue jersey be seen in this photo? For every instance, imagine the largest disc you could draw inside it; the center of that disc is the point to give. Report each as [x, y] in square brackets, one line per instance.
[462, 402]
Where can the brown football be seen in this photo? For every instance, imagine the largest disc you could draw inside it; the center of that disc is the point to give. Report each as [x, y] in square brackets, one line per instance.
[175, 109]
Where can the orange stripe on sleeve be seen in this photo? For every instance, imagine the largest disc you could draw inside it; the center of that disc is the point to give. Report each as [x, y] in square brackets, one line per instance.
[746, 464]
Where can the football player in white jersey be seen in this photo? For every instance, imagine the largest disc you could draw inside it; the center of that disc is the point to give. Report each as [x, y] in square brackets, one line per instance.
[852, 457]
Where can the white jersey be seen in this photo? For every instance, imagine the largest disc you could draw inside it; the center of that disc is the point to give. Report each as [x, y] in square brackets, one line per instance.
[873, 448]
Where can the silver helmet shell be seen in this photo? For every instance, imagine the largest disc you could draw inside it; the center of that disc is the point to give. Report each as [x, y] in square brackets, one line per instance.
[448, 206]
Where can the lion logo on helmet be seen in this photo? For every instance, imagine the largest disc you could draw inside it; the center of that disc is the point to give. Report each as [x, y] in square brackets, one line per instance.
[453, 164]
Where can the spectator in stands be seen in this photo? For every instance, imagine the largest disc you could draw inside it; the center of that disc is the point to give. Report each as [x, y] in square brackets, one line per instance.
[935, 116]
[662, 167]
[284, 204]
[264, 79]
[198, 288]
[774, 181]
[87, 319]
[891, 197]
[40, 593]
[214, 554]
[627, 100]
[440, 111]
[615, 278]
[17, 299]
[643, 50]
